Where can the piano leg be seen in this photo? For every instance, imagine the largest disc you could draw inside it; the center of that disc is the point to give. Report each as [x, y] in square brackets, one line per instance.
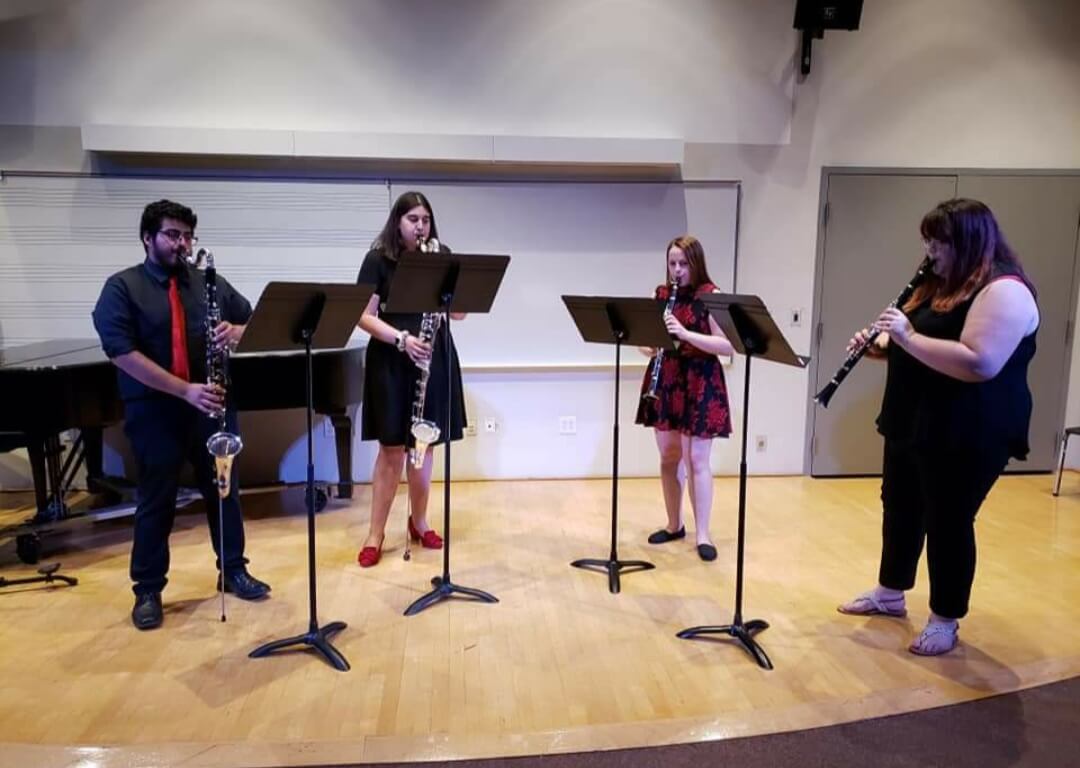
[46, 454]
[343, 440]
[35, 446]
[54, 453]
[94, 450]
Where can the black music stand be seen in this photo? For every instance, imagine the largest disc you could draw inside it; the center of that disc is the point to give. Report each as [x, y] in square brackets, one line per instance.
[444, 282]
[306, 316]
[751, 330]
[618, 321]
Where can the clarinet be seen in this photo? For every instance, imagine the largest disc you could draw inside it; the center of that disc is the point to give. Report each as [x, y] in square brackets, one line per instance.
[825, 395]
[654, 381]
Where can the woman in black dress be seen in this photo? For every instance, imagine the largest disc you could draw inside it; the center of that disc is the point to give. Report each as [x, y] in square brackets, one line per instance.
[690, 406]
[956, 408]
[395, 355]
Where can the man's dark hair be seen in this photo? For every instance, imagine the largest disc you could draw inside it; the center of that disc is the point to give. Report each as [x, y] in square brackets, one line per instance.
[155, 213]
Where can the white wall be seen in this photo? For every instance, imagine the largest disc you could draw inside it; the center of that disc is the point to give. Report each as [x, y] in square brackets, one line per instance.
[923, 83]
[696, 69]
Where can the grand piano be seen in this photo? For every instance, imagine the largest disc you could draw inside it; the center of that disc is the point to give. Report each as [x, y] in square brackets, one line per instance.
[53, 386]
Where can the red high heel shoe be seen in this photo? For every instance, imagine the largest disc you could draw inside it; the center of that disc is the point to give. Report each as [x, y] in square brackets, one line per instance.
[369, 556]
[429, 539]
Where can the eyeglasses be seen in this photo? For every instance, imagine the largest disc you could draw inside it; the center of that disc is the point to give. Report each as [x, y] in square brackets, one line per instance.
[175, 235]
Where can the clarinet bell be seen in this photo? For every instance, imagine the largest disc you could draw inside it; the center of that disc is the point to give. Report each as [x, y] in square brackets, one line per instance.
[224, 447]
[823, 397]
[424, 433]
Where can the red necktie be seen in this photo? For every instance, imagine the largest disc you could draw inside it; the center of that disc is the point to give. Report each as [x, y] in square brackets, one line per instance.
[179, 333]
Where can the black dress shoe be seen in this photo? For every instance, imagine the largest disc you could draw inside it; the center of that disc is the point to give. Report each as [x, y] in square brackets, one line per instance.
[663, 536]
[706, 552]
[147, 611]
[245, 586]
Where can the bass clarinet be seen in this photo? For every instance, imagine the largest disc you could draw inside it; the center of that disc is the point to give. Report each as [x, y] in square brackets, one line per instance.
[223, 446]
[424, 431]
[825, 395]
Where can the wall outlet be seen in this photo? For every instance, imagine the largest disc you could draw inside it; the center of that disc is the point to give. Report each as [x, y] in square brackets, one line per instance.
[761, 443]
[490, 425]
[470, 429]
[568, 425]
[797, 317]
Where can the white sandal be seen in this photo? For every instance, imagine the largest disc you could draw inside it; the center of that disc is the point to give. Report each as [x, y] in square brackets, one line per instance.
[936, 638]
[869, 604]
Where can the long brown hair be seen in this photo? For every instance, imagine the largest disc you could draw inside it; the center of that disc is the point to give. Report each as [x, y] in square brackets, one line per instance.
[695, 259]
[980, 254]
[389, 239]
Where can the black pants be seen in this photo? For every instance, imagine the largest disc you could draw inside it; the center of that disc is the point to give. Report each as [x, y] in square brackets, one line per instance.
[934, 494]
[164, 434]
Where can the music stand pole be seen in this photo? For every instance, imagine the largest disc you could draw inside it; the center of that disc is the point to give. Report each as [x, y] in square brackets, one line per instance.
[336, 307]
[607, 320]
[613, 565]
[316, 637]
[442, 586]
[741, 631]
[750, 328]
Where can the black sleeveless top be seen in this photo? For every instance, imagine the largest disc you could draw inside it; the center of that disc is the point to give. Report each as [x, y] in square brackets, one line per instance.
[924, 407]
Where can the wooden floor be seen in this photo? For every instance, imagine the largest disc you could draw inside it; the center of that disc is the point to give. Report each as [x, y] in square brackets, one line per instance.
[558, 665]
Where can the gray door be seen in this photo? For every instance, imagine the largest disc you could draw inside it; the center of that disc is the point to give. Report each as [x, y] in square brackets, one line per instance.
[1039, 216]
[871, 250]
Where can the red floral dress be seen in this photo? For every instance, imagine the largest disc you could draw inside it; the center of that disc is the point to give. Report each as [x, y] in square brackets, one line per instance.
[691, 394]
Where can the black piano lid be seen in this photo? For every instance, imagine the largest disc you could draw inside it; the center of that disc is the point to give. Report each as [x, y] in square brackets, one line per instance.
[286, 353]
[53, 354]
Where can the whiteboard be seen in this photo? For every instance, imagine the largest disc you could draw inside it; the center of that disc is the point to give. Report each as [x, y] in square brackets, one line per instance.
[572, 238]
[61, 237]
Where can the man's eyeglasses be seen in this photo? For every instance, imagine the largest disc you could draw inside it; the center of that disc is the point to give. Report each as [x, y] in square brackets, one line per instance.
[175, 235]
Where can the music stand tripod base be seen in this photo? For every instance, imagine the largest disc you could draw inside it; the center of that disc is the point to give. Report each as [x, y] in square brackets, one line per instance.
[613, 567]
[444, 589]
[742, 632]
[316, 638]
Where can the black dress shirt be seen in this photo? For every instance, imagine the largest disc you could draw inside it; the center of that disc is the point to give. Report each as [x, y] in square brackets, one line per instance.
[133, 313]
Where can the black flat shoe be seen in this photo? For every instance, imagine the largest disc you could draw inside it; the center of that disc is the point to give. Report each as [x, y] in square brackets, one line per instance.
[663, 536]
[147, 612]
[706, 552]
[245, 586]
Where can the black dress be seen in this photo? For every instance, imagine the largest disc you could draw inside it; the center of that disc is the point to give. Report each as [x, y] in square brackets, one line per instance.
[691, 392]
[390, 376]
